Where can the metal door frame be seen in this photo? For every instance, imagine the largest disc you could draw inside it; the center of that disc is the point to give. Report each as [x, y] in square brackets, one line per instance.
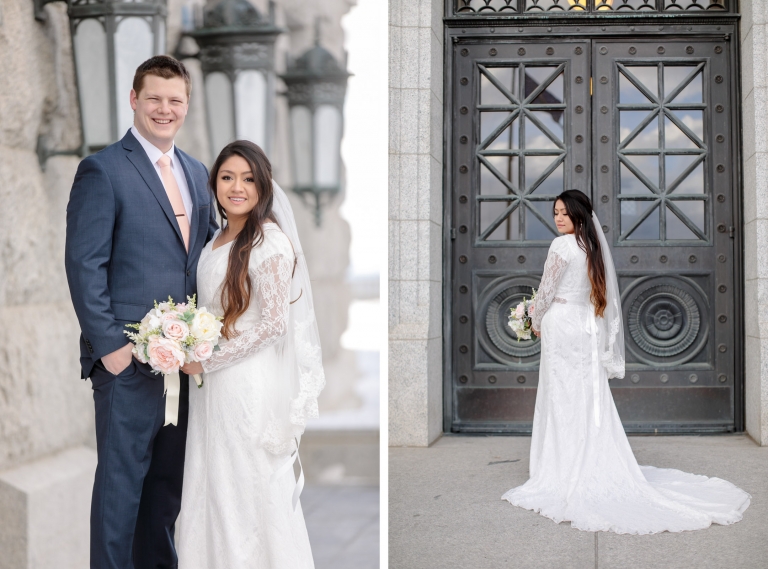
[498, 29]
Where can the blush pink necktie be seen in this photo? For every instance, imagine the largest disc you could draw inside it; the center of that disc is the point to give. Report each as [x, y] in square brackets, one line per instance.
[174, 196]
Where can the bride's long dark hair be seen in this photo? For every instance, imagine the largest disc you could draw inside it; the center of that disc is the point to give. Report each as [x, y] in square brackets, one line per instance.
[579, 209]
[237, 286]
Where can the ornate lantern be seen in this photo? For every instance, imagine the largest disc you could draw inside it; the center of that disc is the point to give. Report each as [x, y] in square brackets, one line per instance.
[110, 38]
[237, 58]
[316, 86]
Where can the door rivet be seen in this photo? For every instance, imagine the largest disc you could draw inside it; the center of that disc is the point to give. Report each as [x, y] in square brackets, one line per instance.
[663, 259]
[520, 379]
[693, 378]
[463, 349]
[491, 379]
[463, 379]
[664, 378]
[634, 259]
[722, 318]
[722, 378]
[632, 50]
[692, 259]
[463, 289]
[722, 348]
[492, 259]
[604, 169]
[635, 378]
[521, 259]
[463, 319]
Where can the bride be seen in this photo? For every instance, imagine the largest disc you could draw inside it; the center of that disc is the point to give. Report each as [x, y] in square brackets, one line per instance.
[240, 502]
[582, 468]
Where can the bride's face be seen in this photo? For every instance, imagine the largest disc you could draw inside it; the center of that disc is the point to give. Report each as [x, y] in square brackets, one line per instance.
[236, 187]
[562, 220]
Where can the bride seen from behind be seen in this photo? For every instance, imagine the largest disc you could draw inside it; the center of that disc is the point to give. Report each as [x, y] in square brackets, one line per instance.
[582, 469]
[240, 502]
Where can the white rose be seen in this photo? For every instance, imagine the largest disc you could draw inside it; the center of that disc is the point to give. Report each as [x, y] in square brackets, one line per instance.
[205, 326]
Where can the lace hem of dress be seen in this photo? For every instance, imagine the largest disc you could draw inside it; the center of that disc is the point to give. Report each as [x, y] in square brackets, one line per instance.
[559, 300]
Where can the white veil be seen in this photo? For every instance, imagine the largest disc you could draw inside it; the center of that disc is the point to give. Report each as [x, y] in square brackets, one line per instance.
[610, 326]
[301, 377]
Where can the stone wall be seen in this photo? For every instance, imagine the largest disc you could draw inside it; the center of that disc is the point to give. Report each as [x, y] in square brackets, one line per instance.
[754, 93]
[415, 221]
[44, 406]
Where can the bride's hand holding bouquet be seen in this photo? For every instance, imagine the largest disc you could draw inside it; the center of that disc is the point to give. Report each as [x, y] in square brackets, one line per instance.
[171, 337]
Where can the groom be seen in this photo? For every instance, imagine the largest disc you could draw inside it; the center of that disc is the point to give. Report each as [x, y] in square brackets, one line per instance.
[138, 217]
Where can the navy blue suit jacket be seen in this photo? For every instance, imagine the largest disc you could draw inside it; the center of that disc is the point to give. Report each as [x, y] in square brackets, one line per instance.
[124, 248]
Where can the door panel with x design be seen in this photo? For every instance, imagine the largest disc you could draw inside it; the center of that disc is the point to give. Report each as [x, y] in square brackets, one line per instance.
[663, 177]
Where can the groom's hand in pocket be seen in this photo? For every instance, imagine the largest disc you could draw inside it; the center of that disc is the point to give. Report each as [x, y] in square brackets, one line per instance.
[119, 360]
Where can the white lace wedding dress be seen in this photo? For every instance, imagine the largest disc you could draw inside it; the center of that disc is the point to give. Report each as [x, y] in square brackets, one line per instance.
[585, 473]
[232, 516]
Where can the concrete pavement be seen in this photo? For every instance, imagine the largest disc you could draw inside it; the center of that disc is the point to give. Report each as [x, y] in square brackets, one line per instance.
[445, 510]
[343, 526]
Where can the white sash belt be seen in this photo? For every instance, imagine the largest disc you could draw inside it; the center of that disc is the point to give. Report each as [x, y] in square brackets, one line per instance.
[284, 467]
[592, 331]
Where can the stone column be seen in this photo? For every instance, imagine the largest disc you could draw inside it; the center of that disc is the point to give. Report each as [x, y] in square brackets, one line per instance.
[754, 93]
[46, 411]
[415, 221]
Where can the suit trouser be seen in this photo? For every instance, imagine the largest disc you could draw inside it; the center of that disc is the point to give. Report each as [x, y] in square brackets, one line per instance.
[137, 488]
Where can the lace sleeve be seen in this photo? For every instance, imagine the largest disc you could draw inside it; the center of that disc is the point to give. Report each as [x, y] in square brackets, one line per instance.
[553, 271]
[272, 280]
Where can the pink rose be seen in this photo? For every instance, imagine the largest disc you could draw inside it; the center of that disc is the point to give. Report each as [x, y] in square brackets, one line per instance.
[165, 355]
[203, 351]
[171, 315]
[181, 307]
[520, 311]
[175, 330]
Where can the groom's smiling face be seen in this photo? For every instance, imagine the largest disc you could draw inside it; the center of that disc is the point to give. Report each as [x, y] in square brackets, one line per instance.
[160, 109]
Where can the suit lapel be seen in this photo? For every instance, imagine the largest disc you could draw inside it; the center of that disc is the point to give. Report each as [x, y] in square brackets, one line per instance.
[194, 221]
[139, 159]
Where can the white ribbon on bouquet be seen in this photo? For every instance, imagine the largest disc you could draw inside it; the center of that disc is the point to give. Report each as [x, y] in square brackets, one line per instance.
[171, 391]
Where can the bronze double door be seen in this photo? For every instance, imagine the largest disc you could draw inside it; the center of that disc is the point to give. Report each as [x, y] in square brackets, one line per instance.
[645, 127]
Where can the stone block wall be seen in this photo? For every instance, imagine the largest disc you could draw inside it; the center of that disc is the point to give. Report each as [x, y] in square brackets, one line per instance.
[44, 406]
[415, 221]
[754, 93]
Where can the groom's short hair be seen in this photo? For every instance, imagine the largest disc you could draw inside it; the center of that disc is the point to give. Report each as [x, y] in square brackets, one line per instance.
[163, 66]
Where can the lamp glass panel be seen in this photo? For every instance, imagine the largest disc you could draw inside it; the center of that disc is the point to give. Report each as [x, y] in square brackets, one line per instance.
[251, 104]
[134, 44]
[90, 45]
[327, 145]
[301, 135]
[221, 116]
[161, 47]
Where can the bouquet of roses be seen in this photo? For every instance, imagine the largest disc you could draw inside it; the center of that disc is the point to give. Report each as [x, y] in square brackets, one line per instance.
[171, 335]
[520, 317]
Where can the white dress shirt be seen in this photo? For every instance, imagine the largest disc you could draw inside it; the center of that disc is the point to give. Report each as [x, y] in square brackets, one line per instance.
[154, 154]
